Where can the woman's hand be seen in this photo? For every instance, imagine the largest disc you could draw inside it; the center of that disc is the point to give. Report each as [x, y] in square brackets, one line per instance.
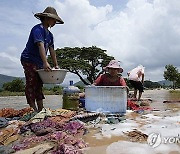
[47, 67]
[56, 67]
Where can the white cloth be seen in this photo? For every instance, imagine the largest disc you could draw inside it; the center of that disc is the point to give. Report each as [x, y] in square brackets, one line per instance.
[136, 73]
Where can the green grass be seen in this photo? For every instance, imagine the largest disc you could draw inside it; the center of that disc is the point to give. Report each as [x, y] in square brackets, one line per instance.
[175, 94]
[8, 93]
[175, 91]
[45, 92]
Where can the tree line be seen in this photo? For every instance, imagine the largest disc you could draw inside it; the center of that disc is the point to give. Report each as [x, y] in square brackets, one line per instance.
[88, 63]
[171, 73]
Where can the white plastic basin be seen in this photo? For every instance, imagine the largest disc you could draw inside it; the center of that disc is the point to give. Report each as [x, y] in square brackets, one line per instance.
[56, 76]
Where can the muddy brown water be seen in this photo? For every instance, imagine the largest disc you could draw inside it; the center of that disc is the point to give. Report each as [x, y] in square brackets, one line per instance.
[19, 102]
[157, 96]
[55, 101]
[98, 145]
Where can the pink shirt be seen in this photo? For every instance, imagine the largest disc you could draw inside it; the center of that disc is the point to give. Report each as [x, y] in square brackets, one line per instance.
[104, 80]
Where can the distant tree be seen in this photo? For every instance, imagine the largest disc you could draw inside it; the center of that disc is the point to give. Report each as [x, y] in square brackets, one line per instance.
[178, 81]
[147, 84]
[16, 85]
[57, 89]
[171, 73]
[150, 84]
[87, 61]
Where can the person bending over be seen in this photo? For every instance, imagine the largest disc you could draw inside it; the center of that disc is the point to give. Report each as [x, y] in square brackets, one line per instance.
[136, 79]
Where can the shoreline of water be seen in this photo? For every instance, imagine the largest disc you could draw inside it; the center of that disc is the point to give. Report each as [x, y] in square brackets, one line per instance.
[160, 120]
[55, 101]
[19, 102]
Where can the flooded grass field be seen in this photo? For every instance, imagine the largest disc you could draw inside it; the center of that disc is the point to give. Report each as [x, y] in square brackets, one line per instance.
[101, 144]
[119, 144]
[55, 101]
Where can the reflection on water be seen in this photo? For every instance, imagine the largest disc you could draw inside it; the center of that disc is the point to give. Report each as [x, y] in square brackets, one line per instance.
[96, 145]
[19, 102]
[158, 96]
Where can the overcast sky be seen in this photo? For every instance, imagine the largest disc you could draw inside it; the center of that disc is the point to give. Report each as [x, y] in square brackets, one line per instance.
[135, 32]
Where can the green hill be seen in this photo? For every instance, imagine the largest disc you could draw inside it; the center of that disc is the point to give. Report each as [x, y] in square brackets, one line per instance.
[165, 83]
[162, 83]
[6, 78]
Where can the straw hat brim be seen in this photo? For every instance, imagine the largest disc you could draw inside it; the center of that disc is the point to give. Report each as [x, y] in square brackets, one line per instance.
[120, 69]
[58, 19]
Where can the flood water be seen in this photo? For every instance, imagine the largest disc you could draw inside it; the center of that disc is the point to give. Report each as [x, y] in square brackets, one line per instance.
[95, 145]
[158, 96]
[55, 101]
[19, 102]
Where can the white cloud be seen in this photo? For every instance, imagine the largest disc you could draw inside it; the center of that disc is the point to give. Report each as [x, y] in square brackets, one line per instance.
[10, 65]
[142, 32]
[80, 18]
[11, 58]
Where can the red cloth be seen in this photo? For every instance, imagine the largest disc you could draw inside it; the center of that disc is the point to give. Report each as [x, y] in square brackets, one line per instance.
[10, 112]
[104, 80]
[133, 106]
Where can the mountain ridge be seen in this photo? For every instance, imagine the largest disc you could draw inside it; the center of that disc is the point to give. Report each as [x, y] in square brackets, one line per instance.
[6, 78]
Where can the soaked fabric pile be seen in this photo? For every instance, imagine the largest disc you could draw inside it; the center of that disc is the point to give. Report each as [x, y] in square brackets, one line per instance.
[136, 136]
[63, 131]
[49, 131]
[138, 105]
[10, 112]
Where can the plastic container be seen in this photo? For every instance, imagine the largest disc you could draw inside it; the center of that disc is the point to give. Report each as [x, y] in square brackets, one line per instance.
[71, 97]
[71, 90]
[82, 102]
[56, 76]
[106, 99]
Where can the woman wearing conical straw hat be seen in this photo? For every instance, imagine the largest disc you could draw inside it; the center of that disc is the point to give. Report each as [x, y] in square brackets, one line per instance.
[33, 56]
